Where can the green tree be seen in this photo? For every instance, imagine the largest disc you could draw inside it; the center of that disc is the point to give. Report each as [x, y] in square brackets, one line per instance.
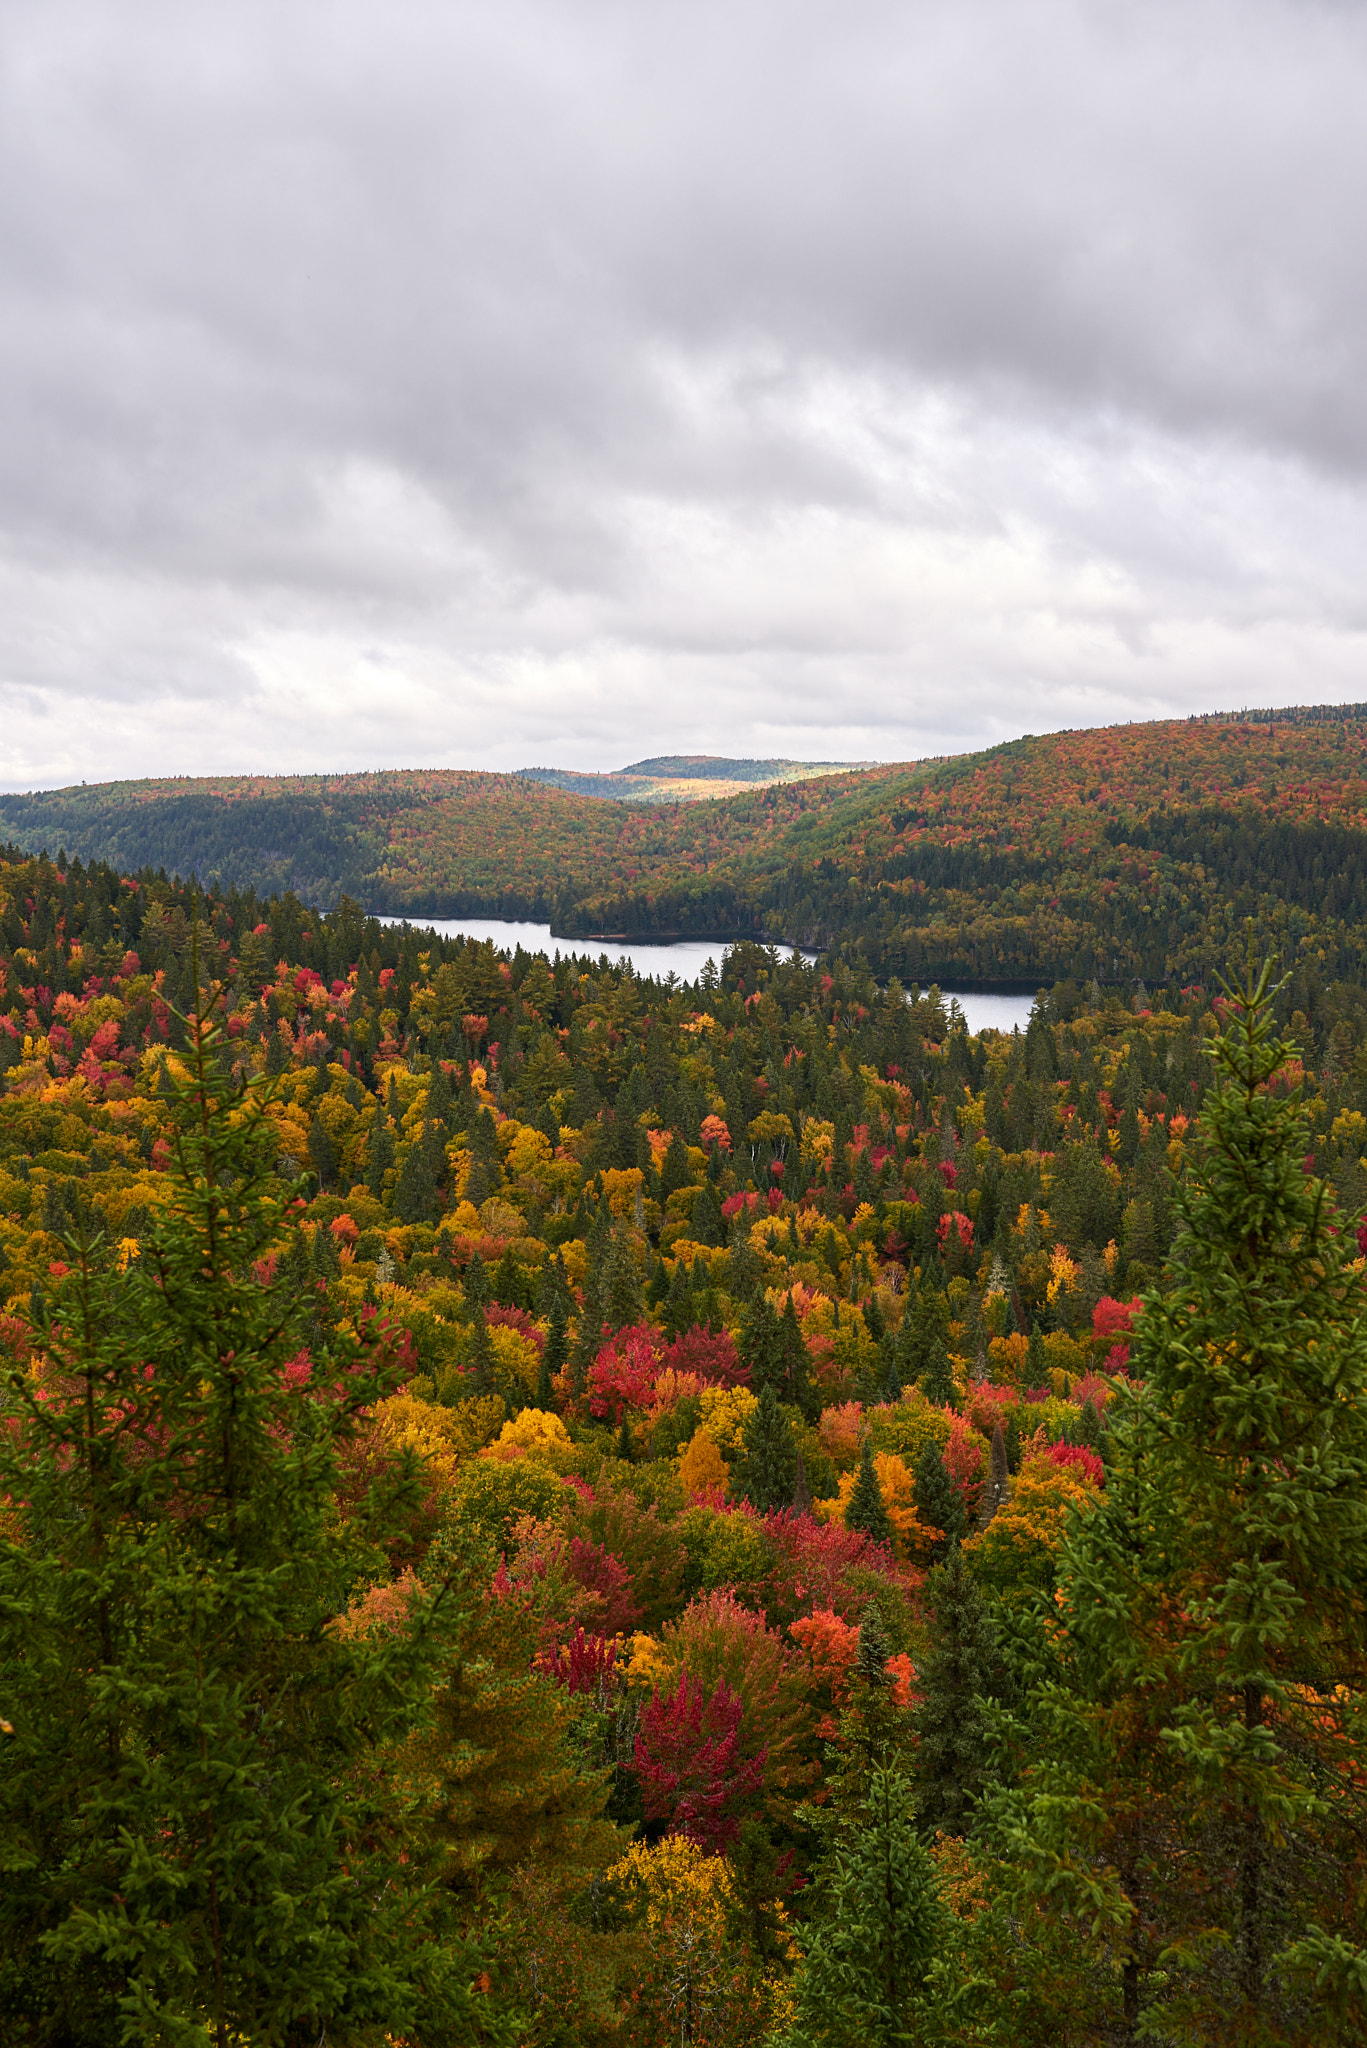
[760, 1346]
[199, 1838]
[939, 1502]
[937, 1381]
[379, 1151]
[1193, 1797]
[875, 1928]
[322, 1153]
[415, 1192]
[767, 1470]
[865, 1509]
[956, 1674]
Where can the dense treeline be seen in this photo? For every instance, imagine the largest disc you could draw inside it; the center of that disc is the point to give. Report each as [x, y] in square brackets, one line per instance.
[1133, 853]
[643, 1479]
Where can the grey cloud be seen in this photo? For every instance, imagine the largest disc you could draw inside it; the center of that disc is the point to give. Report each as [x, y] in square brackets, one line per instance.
[626, 376]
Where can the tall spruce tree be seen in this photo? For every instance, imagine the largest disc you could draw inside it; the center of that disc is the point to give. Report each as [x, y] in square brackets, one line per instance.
[1192, 1804]
[939, 1502]
[199, 1835]
[865, 1510]
[937, 1381]
[957, 1673]
[874, 1927]
[768, 1466]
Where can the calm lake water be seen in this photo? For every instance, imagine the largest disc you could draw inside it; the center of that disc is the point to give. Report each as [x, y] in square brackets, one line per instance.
[686, 958]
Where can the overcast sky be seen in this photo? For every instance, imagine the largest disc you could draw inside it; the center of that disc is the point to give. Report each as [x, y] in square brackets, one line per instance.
[495, 385]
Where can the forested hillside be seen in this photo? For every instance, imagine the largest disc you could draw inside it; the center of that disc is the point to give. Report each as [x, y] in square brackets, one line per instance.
[1134, 853]
[612, 1498]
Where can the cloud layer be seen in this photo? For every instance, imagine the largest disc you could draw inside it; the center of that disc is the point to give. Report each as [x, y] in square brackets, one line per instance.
[382, 386]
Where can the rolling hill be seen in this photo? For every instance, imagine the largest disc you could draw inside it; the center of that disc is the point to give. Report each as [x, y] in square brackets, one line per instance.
[1122, 853]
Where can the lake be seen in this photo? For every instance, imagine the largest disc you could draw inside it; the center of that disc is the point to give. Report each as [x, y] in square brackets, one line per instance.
[686, 958]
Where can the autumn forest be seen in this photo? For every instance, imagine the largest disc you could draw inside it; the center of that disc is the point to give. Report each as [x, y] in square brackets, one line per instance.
[545, 1506]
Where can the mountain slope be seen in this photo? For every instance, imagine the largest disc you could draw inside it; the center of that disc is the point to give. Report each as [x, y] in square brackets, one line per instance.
[1127, 852]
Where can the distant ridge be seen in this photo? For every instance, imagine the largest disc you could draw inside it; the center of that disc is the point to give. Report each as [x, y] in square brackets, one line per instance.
[686, 778]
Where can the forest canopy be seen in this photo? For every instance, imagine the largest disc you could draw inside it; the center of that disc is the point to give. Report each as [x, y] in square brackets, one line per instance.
[539, 1505]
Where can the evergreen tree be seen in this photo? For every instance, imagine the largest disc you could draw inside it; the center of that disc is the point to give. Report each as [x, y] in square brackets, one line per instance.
[1036, 1371]
[482, 1367]
[768, 1466]
[760, 1346]
[997, 1489]
[956, 1674]
[415, 1192]
[937, 1381]
[200, 1837]
[380, 1152]
[865, 1510]
[675, 1171]
[440, 1099]
[796, 1386]
[875, 1927]
[1185, 1795]
[925, 1328]
[939, 1502]
[327, 1263]
[556, 1352]
[708, 1224]
[510, 1791]
[871, 1663]
[623, 1278]
[322, 1153]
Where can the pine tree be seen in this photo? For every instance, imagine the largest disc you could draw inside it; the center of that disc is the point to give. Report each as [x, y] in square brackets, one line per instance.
[556, 1351]
[199, 1835]
[875, 1926]
[956, 1674]
[708, 1224]
[871, 1664]
[623, 1279]
[939, 1502]
[937, 1381]
[865, 1510]
[509, 1789]
[439, 1096]
[1187, 1785]
[1036, 1371]
[379, 1152]
[796, 1388]
[998, 1487]
[760, 1346]
[675, 1172]
[327, 1262]
[594, 1313]
[475, 1282]
[415, 1192]
[768, 1466]
[322, 1153]
[481, 1366]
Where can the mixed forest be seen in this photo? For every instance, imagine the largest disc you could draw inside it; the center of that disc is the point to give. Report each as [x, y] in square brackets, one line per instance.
[1129, 853]
[542, 1506]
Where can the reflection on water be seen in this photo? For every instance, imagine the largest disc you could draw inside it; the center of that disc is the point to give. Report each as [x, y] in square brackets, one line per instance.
[685, 958]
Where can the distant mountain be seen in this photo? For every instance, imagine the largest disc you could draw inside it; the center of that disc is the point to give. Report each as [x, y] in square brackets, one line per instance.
[685, 778]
